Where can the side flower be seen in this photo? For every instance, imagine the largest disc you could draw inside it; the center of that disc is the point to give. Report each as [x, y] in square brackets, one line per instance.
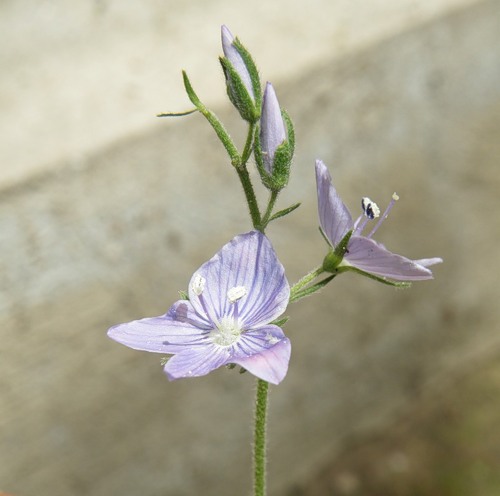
[233, 298]
[242, 77]
[274, 143]
[350, 249]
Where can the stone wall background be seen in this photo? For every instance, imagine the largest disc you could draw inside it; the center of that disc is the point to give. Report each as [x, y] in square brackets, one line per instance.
[113, 235]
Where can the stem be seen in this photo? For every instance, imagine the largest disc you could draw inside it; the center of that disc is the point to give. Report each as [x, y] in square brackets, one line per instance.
[259, 448]
[248, 145]
[305, 281]
[270, 206]
[253, 207]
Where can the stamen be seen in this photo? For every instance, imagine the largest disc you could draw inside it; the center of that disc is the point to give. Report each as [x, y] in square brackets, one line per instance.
[394, 199]
[198, 284]
[234, 295]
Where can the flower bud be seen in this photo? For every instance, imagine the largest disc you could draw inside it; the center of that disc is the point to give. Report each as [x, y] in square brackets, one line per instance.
[242, 78]
[274, 143]
[272, 127]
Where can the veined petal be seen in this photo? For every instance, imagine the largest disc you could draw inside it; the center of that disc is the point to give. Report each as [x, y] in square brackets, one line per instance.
[161, 334]
[368, 255]
[195, 362]
[334, 217]
[265, 353]
[247, 261]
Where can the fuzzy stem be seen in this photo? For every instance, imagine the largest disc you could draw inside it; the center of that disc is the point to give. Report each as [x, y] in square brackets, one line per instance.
[305, 281]
[259, 447]
[253, 207]
[269, 210]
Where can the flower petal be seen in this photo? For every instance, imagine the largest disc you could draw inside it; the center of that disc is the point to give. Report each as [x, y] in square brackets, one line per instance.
[235, 58]
[195, 362]
[248, 261]
[265, 353]
[163, 334]
[369, 256]
[272, 128]
[427, 262]
[334, 217]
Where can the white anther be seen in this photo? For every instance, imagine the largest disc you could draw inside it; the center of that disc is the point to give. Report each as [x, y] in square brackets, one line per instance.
[236, 293]
[395, 197]
[198, 284]
[370, 208]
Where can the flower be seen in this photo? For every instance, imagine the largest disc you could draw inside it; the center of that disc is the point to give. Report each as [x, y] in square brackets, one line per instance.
[272, 127]
[232, 300]
[353, 251]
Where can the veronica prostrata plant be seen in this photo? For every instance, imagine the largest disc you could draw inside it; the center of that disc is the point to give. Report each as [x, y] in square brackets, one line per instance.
[231, 313]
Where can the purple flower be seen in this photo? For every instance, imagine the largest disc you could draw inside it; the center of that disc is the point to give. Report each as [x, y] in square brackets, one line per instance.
[236, 60]
[232, 300]
[272, 127]
[361, 253]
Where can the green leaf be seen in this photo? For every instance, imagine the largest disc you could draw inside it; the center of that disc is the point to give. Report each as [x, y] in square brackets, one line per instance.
[284, 212]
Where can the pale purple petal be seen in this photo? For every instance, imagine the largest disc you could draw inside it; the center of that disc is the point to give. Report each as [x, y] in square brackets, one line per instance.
[248, 260]
[427, 262]
[334, 217]
[195, 362]
[236, 59]
[270, 364]
[370, 256]
[272, 128]
[163, 334]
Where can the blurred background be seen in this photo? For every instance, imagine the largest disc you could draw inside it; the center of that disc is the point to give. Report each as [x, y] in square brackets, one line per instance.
[106, 211]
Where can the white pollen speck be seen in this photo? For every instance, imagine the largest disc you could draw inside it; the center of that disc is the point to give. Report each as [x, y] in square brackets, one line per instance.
[236, 293]
[395, 197]
[198, 284]
[271, 339]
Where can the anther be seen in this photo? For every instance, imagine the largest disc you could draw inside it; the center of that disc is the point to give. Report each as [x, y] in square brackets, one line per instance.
[236, 293]
[370, 208]
[198, 284]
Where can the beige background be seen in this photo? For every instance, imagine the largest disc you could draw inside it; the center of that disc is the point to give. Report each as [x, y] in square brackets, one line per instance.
[106, 211]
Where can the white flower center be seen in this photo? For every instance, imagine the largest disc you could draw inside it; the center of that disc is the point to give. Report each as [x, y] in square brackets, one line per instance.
[228, 331]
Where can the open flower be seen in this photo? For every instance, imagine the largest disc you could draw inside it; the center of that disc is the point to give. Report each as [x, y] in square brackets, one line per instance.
[232, 300]
[351, 250]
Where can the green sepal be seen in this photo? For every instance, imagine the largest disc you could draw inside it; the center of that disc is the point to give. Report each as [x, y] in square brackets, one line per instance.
[238, 93]
[253, 71]
[164, 360]
[334, 258]
[183, 295]
[281, 322]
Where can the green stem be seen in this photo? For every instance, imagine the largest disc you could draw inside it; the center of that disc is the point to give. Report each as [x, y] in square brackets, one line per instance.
[269, 210]
[253, 207]
[305, 280]
[248, 145]
[259, 448]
